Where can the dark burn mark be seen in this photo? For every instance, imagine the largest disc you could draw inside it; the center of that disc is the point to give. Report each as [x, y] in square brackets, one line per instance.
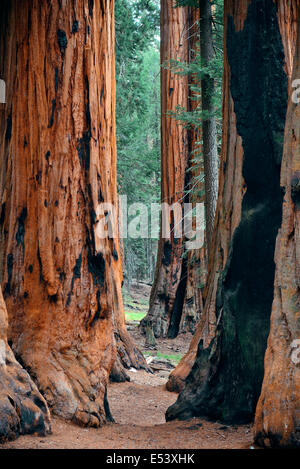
[29, 20]
[295, 189]
[21, 228]
[30, 268]
[83, 150]
[2, 216]
[91, 7]
[40, 404]
[9, 265]
[77, 267]
[53, 298]
[108, 414]
[167, 254]
[102, 89]
[83, 146]
[93, 217]
[171, 91]
[96, 266]
[76, 274]
[8, 128]
[177, 309]
[163, 298]
[62, 40]
[28, 419]
[47, 156]
[56, 80]
[51, 120]
[38, 177]
[115, 254]
[26, 294]
[45, 203]
[100, 195]
[75, 27]
[40, 265]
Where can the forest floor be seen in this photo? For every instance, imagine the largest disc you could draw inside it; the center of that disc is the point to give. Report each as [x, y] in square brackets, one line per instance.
[139, 406]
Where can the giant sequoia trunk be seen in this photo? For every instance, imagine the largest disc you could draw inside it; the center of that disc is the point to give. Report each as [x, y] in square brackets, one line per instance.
[196, 259]
[225, 381]
[22, 408]
[209, 128]
[167, 295]
[277, 422]
[58, 162]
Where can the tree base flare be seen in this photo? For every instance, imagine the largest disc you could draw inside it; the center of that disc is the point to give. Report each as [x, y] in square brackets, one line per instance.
[22, 408]
[73, 386]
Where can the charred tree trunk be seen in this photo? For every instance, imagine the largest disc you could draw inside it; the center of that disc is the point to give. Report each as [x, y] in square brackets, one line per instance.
[277, 422]
[225, 381]
[22, 408]
[58, 163]
[167, 295]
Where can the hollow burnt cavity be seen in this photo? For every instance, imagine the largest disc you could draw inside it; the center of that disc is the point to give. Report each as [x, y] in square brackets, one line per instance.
[225, 382]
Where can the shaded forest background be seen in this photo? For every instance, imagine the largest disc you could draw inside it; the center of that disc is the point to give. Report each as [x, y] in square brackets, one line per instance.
[138, 113]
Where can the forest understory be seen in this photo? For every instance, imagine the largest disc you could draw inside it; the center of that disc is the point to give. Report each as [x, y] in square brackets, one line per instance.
[142, 425]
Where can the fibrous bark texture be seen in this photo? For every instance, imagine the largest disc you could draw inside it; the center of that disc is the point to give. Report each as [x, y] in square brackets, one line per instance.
[277, 422]
[225, 381]
[167, 295]
[209, 129]
[22, 408]
[196, 259]
[60, 280]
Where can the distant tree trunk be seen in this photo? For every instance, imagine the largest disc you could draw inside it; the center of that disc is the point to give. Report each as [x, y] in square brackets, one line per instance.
[22, 408]
[196, 259]
[209, 130]
[225, 381]
[62, 283]
[277, 421]
[167, 295]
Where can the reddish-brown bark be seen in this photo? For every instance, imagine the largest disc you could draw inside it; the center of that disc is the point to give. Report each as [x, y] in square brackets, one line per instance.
[196, 259]
[62, 283]
[22, 408]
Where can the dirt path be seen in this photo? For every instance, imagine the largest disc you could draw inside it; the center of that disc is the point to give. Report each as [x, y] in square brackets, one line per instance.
[138, 408]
